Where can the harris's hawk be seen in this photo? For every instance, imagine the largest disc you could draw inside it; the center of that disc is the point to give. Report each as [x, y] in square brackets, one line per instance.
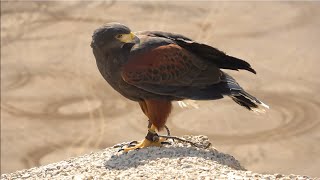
[155, 68]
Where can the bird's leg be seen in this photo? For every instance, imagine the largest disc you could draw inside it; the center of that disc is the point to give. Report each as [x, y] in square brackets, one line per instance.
[151, 139]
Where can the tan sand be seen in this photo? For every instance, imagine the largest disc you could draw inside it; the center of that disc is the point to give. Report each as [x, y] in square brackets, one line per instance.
[55, 104]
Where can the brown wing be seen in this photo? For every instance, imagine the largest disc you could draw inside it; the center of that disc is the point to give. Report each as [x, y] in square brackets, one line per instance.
[204, 51]
[167, 67]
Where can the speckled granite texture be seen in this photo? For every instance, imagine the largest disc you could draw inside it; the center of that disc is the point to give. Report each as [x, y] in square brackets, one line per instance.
[176, 161]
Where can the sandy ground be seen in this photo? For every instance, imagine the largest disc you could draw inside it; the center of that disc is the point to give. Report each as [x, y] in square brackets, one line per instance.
[55, 104]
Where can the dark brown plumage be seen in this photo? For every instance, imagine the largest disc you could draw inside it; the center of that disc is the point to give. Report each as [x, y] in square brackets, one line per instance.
[155, 68]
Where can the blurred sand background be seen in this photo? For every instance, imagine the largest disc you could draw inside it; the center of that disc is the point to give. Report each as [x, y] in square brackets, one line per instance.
[55, 104]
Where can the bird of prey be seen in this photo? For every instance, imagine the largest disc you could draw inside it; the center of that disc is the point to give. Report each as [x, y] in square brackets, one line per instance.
[155, 68]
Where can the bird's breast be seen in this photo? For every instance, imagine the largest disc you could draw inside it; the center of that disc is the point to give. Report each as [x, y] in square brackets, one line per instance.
[110, 69]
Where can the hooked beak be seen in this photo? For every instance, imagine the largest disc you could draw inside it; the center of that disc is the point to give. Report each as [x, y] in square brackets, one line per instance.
[129, 38]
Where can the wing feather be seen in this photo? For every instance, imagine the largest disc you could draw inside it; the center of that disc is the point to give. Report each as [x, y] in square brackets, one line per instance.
[168, 68]
[221, 59]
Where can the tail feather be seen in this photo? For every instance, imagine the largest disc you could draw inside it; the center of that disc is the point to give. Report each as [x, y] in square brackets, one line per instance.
[240, 96]
[250, 102]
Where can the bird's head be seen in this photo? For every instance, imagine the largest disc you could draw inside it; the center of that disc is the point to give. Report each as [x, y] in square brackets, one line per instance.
[113, 36]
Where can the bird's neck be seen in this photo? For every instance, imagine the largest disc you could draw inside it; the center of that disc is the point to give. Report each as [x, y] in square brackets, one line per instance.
[110, 61]
[119, 55]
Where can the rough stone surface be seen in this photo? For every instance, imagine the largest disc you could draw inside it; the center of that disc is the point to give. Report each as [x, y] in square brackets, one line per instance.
[176, 161]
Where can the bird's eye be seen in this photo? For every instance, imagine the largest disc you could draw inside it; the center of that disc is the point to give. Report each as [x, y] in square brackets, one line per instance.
[119, 36]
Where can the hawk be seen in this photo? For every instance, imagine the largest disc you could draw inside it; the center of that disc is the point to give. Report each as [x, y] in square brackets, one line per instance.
[155, 68]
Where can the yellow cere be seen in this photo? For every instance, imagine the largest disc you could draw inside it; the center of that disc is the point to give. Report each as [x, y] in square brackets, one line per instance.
[126, 37]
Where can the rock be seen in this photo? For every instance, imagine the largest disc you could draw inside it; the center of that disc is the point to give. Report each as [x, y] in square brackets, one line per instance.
[177, 161]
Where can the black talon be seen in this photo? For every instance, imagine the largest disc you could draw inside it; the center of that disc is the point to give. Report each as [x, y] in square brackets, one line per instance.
[133, 142]
[130, 145]
[119, 145]
[166, 143]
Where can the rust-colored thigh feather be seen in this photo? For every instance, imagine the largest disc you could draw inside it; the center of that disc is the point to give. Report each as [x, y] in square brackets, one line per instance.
[157, 111]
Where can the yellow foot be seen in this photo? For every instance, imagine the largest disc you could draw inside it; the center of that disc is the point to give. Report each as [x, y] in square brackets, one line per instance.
[145, 143]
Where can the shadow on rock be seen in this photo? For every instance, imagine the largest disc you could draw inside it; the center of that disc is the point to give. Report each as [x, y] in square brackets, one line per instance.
[122, 161]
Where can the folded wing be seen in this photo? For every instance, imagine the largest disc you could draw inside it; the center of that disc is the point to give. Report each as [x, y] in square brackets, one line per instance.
[218, 57]
[169, 69]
